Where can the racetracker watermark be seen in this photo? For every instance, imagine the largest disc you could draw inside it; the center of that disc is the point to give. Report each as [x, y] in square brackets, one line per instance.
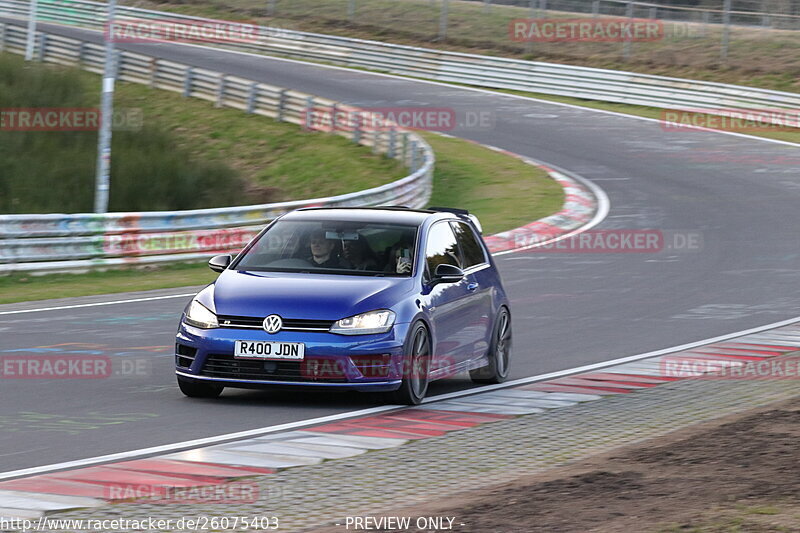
[371, 366]
[67, 119]
[617, 241]
[586, 30]
[383, 119]
[71, 367]
[699, 367]
[226, 493]
[736, 120]
[180, 31]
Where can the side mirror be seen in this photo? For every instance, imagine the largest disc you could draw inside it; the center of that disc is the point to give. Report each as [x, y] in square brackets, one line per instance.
[447, 274]
[218, 263]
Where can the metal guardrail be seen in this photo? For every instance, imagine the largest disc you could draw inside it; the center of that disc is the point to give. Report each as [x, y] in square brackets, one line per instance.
[61, 241]
[485, 71]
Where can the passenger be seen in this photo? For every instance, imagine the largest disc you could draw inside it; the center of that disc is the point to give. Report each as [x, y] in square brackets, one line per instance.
[359, 255]
[399, 256]
[323, 251]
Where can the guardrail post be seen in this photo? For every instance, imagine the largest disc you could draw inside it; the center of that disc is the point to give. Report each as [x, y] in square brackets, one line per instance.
[543, 8]
[765, 21]
[653, 13]
[81, 49]
[626, 43]
[376, 139]
[595, 8]
[357, 129]
[251, 97]
[443, 20]
[2, 36]
[392, 141]
[153, 72]
[281, 105]
[726, 30]
[706, 20]
[532, 6]
[271, 8]
[309, 112]
[351, 10]
[487, 6]
[42, 47]
[187, 82]
[221, 91]
[334, 111]
[31, 35]
[414, 155]
[404, 155]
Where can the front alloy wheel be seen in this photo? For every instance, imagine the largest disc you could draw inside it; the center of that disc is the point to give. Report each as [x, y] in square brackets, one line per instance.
[416, 365]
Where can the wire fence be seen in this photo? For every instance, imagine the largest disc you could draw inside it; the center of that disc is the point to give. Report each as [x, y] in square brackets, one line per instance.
[734, 32]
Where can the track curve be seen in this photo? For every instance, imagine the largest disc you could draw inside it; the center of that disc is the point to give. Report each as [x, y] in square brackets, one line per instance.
[740, 194]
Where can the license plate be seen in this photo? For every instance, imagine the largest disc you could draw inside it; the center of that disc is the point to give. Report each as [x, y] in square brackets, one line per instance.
[294, 351]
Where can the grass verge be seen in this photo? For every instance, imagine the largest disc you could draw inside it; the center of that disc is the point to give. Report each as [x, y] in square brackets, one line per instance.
[24, 287]
[278, 161]
[181, 154]
[502, 191]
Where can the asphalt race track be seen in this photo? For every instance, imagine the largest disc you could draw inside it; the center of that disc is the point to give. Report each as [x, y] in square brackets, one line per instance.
[739, 195]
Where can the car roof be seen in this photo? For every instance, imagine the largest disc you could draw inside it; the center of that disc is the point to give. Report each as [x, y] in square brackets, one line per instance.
[393, 215]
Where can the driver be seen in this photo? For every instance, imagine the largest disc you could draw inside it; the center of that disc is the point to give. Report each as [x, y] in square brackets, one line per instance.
[323, 254]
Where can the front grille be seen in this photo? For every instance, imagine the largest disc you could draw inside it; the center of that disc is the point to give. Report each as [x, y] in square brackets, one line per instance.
[226, 366]
[289, 324]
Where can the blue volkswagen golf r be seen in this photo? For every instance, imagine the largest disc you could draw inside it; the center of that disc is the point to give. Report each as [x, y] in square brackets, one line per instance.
[371, 299]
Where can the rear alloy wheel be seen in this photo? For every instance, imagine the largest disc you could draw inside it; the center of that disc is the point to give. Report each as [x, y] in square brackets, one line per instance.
[499, 352]
[416, 366]
[198, 389]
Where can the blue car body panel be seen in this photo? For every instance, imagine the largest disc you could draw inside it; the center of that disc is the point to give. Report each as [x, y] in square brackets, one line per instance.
[459, 317]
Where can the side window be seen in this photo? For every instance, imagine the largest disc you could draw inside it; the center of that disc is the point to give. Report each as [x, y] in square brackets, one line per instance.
[471, 250]
[442, 247]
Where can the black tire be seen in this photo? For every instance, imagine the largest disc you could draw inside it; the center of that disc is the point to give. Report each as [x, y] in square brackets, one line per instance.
[499, 352]
[198, 389]
[415, 367]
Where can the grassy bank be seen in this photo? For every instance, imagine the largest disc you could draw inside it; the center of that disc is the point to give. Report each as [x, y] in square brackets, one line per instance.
[757, 57]
[502, 191]
[180, 154]
[53, 171]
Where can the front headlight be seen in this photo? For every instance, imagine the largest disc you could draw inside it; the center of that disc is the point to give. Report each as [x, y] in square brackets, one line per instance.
[379, 321]
[199, 316]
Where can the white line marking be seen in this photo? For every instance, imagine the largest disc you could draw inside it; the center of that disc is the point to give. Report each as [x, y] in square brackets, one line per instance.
[614, 362]
[373, 410]
[97, 304]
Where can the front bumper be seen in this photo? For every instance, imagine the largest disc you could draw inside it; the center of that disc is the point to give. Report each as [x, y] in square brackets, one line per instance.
[353, 362]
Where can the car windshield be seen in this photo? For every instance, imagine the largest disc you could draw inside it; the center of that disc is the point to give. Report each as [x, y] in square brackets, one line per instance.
[333, 247]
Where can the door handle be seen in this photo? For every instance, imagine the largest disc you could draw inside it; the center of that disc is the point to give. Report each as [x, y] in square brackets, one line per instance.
[472, 286]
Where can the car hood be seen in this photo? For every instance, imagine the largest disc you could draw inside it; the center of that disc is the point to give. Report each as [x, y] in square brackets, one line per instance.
[306, 296]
